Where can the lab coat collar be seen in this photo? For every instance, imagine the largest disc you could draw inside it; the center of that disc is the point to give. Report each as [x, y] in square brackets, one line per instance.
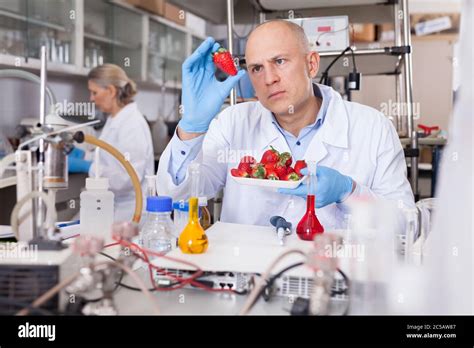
[336, 125]
[333, 131]
[123, 115]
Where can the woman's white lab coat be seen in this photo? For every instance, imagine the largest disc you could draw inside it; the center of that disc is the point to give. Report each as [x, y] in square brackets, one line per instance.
[354, 139]
[129, 133]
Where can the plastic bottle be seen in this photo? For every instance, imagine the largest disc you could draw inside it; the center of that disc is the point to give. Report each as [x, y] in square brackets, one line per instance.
[97, 209]
[158, 232]
[97, 206]
[309, 226]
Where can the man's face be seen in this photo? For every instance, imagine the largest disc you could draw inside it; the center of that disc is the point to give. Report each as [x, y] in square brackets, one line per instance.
[279, 68]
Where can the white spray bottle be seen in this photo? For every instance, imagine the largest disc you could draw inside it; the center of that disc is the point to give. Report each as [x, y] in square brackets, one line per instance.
[97, 206]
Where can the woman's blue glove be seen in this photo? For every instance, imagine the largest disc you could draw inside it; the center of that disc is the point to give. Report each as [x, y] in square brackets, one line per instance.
[77, 153]
[203, 94]
[77, 165]
[332, 186]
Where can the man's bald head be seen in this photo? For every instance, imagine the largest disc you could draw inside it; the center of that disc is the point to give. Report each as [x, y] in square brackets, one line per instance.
[296, 31]
[281, 67]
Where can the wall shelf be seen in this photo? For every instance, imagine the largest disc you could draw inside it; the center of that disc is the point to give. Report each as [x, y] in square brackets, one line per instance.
[116, 41]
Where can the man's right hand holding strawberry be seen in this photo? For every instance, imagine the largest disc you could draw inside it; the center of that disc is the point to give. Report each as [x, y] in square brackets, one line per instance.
[203, 94]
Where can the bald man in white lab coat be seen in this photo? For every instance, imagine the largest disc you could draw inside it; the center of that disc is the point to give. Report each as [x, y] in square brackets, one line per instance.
[356, 147]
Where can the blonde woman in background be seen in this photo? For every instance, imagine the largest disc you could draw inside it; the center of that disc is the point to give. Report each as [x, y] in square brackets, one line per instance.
[125, 129]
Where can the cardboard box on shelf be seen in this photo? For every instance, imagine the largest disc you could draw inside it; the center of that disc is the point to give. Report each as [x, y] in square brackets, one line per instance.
[154, 6]
[385, 32]
[453, 18]
[175, 14]
[426, 154]
[363, 32]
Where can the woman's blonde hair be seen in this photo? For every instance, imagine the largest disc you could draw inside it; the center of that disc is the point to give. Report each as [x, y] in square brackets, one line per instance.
[111, 74]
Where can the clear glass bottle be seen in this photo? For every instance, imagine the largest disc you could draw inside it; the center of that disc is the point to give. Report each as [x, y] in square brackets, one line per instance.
[150, 192]
[204, 213]
[181, 215]
[158, 232]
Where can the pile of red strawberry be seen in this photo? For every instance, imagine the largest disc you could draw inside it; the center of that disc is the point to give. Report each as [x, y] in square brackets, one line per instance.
[272, 166]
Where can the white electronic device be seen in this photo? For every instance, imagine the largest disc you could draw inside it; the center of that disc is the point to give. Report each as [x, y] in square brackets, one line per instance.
[238, 252]
[325, 33]
[26, 273]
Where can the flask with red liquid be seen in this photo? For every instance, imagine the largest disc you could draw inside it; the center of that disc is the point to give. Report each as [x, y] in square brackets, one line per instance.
[309, 226]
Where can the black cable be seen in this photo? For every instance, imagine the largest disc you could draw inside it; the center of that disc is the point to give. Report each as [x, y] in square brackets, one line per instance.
[354, 67]
[119, 282]
[272, 280]
[151, 289]
[325, 74]
[132, 288]
[346, 280]
[121, 271]
[278, 275]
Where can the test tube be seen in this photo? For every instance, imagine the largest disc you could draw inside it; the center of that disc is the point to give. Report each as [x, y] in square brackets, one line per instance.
[194, 172]
[411, 217]
[312, 178]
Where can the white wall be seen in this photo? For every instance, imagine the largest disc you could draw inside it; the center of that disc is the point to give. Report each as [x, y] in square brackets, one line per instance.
[432, 83]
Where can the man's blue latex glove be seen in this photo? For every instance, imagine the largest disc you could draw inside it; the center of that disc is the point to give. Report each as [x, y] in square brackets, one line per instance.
[203, 94]
[78, 165]
[77, 153]
[332, 186]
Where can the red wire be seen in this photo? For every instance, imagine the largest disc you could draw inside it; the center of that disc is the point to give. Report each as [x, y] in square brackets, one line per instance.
[183, 281]
[111, 244]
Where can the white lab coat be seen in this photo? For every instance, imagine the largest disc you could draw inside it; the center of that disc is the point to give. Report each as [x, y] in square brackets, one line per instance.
[354, 139]
[129, 133]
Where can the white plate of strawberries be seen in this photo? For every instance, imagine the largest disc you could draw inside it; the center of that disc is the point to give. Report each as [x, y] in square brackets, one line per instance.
[274, 170]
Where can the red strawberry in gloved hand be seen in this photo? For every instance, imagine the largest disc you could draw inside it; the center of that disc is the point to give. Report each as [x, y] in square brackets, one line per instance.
[223, 60]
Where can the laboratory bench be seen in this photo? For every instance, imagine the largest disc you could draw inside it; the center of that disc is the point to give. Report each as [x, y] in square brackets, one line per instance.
[257, 247]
